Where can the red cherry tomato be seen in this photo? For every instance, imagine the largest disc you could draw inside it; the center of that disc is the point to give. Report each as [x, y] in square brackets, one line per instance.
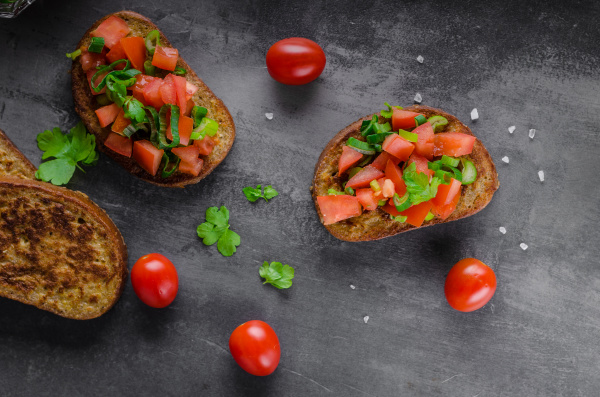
[154, 280]
[295, 61]
[255, 347]
[469, 285]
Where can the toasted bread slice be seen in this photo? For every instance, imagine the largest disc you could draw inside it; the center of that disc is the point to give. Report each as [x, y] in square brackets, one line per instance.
[85, 105]
[58, 250]
[376, 224]
[12, 161]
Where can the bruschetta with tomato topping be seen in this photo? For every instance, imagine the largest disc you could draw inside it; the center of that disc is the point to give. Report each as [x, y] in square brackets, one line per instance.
[147, 108]
[398, 170]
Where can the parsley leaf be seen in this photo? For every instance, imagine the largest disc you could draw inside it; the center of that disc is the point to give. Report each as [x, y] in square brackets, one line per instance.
[134, 110]
[278, 275]
[418, 185]
[67, 150]
[216, 230]
[253, 194]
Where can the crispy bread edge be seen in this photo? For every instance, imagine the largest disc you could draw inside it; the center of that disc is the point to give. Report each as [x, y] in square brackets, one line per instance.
[28, 167]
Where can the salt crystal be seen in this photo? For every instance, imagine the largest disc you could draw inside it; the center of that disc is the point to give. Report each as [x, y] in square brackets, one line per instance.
[531, 133]
[474, 114]
[269, 116]
[352, 286]
[541, 175]
[523, 246]
[366, 318]
[505, 159]
[511, 129]
[418, 98]
[420, 59]
[502, 229]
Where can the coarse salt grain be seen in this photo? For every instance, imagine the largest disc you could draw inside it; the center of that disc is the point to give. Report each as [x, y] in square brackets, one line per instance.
[420, 59]
[474, 114]
[531, 133]
[511, 129]
[269, 116]
[366, 319]
[541, 175]
[502, 229]
[523, 246]
[505, 159]
[352, 286]
[418, 98]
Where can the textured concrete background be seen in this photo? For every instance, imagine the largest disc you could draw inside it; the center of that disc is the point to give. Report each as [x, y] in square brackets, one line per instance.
[529, 64]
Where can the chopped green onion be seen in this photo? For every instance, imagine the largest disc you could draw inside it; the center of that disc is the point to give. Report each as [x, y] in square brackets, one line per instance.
[401, 203]
[365, 161]
[429, 216]
[349, 191]
[107, 68]
[103, 100]
[399, 218]
[133, 128]
[469, 172]
[162, 133]
[443, 176]
[409, 136]
[354, 171]
[333, 192]
[169, 157]
[73, 55]
[154, 120]
[206, 127]
[149, 68]
[377, 138]
[361, 146]
[152, 41]
[451, 161]
[437, 122]
[381, 203]
[388, 113]
[367, 126]
[375, 185]
[420, 119]
[96, 45]
[179, 71]
[198, 113]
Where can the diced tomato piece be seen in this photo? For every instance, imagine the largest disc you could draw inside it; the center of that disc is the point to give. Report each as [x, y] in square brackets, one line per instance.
[403, 119]
[141, 81]
[188, 108]
[90, 60]
[366, 197]
[387, 188]
[453, 144]
[415, 215]
[117, 53]
[394, 173]
[135, 49]
[165, 58]
[168, 93]
[364, 177]
[398, 147]
[390, 208]
[188, 154]
[185, 125]
[422, 164]
[90, 73]
[107, 114]
[205, 145]
[444, 211]
[193, 168]
[424, 146]
[147, 156]
[121, 122]
[112, 30]
[446, 193]
[348, 159]
[190, 90]
[152, 95]
[119, 144]
[180, 83]
[382, 160]
[338, 207]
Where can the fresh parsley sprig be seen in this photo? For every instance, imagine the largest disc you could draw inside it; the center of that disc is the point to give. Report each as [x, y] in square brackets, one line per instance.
[253, 194]
[68, 150]
[277, 274]
[216, 230]
[418, 185]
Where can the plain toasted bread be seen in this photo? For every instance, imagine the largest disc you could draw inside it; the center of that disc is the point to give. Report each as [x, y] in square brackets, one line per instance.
[85, 105]
[377, 224]
[12, 161]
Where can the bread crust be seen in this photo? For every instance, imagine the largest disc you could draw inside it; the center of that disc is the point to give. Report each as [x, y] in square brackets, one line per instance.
[374, 225]
[85, 105]
[59, 251]
[12, 161]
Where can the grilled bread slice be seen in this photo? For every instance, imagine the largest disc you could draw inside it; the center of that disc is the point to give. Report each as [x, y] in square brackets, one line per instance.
[12, 161]
[377, 224]
[85, 105]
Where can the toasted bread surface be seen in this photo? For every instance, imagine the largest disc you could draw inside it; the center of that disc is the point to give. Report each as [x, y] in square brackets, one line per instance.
[85, 105]
[376, 224]
[58, 250]
[12, 161]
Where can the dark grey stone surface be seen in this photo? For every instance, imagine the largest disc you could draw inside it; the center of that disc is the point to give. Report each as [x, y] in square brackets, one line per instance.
[528, 64]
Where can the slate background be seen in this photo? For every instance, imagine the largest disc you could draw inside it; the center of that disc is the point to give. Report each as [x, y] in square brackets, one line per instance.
[530, 64]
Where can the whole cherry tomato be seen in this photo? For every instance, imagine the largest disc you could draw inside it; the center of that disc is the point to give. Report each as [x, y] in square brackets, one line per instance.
[154, 280]
[255, 347]
[295, 61]
[469, 285]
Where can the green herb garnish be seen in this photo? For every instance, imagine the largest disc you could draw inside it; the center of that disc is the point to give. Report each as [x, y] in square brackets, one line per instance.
[253, 194]
[96, 45]
[418, 185]
[216, 230]
[73, 55]
[277, 274]
[389, 112]
[179, 71]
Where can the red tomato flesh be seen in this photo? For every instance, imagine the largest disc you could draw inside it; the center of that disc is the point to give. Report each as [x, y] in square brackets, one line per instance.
[180, 89]
[168, 93]
[255, 347]
[398, 147]
[364, 177]
[147, 156]
[188, 154]
[90, 73]
[107, 114]
[152, 94]
[295, 61]
[120, 123]
[112, 30]
[403, 119]
[190, 90]
[192, 168]
[154, 280]
[470, 284]
[185, 125]
[205, 145]
[117, 53]
[165, 58]
[90, 60]
[394, 173]
[447, 193]
[348, 159]
[424, 146]
[119, 144]
[416, 214]
[444, 211]
[453, 144]
[135, 49]
[366, 197]
[381, 161]
[338, 207]
[421, 164]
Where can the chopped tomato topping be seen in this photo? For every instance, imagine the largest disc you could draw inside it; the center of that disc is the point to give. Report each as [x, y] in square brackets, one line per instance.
[188, 107]
[382, 160]
[107, 114]
[424, 146]
[135, 49]
[112, 29]
[189, 154]
[121, 122]
[180, 87]
[403, 119]
[338, 207]
[447, 193]
[152, 95]
[90, 60]
[90, 73]
[364, 177]
[119, 144]
[168, 92]
[453, 144]
[422, 164]
[416, 214]
[388, 189]
[348, 159]
[366, 197]
[394, 173]
[193, 168]
[185, 127]
[190, 90]
[205, 145]
[147, 156]
[115, 54]
[444, 211]
[398, 147]
[165, 58]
